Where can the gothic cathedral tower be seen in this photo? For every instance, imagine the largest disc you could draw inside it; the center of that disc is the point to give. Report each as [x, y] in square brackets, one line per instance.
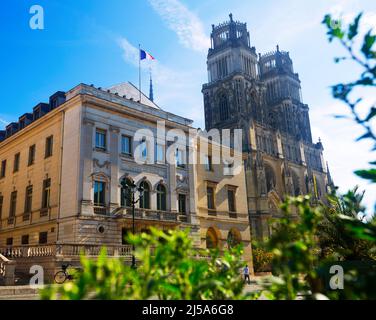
[261, 95]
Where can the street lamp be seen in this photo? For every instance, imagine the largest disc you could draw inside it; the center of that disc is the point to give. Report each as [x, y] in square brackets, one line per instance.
[130, 190]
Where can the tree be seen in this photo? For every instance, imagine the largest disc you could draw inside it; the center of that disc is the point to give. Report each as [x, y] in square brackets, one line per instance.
[169, 269]
[348, 37]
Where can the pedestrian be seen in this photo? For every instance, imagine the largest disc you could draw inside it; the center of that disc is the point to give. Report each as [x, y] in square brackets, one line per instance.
[246, 274]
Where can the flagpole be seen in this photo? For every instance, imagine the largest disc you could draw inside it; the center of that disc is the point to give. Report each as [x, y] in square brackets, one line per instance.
[139, 70]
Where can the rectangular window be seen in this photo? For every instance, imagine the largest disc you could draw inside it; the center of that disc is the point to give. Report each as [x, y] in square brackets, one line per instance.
[16, 165]
[3, 169]
[43, 237]
[208, 163]
[9, 241]
[49, 146]
[159, 153]
[210, 198]
[13, 204]
[99, 193]
[31, 155]
[180, 158]
[28, 199]
[100, 139]
[25, 239]
[46, 192]
[126, 145]
[231, 200]
[182, 203]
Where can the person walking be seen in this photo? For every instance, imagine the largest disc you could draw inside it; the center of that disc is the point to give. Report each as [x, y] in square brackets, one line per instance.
[246, 274]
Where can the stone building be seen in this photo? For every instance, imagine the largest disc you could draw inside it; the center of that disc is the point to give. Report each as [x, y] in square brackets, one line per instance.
[261, 94]
[222, 208]
[62, 169]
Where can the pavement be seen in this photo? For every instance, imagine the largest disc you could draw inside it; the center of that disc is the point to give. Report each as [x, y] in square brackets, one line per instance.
[27, 293]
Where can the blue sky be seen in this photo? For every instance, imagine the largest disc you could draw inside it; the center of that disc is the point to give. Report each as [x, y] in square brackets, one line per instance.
[95, 42]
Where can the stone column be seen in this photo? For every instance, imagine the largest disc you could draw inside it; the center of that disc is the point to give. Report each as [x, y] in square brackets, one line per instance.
[10, 270]
[302, 154]
[87, 167]
[114, 171]
[279, 146]
[171, 174]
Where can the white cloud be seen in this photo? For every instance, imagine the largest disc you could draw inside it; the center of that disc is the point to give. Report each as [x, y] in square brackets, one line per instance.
[172, 87]
[183, 22]
[3, 123]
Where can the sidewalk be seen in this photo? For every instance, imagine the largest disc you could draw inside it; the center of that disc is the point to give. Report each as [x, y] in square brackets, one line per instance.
[16, 292]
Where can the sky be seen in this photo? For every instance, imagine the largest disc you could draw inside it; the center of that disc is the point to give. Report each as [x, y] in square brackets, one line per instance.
[96, 42]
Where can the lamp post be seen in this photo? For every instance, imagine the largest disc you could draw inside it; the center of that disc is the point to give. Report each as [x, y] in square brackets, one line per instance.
[129, 195]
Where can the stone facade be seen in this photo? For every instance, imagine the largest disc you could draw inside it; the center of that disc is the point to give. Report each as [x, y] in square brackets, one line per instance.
[261, 95]
[226, 222]
[97, 135]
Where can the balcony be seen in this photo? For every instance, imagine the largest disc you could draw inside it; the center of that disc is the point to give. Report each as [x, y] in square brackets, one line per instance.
[212, 212]
[44, 212]
[149, 214]
[65, 250]
[102, 211]
[11, 221]
[233, 215]
[26, 216]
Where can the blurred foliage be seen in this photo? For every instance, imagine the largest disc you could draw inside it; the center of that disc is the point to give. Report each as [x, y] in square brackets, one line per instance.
[294, 249]
[306, 245]
[169, 268]
[335, 238]
[262, 258]
[360, 49]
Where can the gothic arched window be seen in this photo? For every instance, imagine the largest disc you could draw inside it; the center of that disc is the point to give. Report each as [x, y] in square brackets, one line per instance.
[270, 178]
[161, 197]
[145, 199]
[224, 111]
[296, 184]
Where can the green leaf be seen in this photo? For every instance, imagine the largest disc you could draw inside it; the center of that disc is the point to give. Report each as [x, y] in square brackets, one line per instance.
[369, 41]
[369, 174]
[353, 28]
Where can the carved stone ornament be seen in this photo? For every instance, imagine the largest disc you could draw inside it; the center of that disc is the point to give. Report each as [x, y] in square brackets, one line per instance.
[105, 164]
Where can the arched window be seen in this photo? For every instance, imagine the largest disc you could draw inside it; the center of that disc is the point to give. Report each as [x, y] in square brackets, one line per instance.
[233, 238]
[161, 197]
[125, 197]
[145, 198]
[211, 239]
[296, 183]
[270, 178]
[224, 112]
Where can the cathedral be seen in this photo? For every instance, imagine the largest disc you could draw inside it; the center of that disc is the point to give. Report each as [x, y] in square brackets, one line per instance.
[261, 94]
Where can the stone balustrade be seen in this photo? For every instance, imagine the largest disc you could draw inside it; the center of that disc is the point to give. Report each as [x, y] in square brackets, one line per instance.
[149, 214]
[65, 250]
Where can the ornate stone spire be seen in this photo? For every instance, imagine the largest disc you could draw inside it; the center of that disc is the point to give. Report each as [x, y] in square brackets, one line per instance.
[151, 93]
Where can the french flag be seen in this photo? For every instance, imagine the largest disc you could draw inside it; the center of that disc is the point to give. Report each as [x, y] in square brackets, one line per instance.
[145, 55]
